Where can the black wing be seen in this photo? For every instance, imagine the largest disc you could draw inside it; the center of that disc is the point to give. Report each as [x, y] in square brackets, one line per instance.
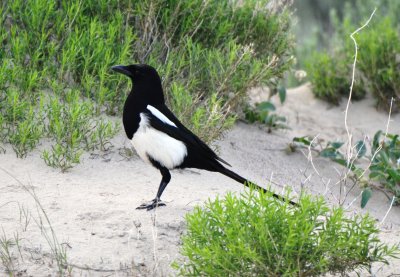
[180, 132]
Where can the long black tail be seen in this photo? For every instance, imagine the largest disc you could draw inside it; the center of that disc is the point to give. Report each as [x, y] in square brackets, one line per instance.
[247, 183]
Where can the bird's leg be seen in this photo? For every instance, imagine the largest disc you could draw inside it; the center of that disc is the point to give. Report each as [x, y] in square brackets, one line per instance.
[156, 202]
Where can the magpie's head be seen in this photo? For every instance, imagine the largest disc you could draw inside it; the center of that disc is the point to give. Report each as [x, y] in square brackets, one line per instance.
[146, 81]
[138, 72]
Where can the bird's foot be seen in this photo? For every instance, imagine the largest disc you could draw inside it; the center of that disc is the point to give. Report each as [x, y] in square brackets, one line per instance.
[153, 204]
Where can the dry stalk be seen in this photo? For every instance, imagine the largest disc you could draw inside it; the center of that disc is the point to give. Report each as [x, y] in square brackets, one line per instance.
[349, 135]
[350, 157]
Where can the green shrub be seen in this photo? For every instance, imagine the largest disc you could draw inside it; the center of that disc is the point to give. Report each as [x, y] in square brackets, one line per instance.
[328, 77]
[21, 125]
[213, 50]
[258, 235]
[208, 53]
[378, 55]
[71, 126]
[379, 62]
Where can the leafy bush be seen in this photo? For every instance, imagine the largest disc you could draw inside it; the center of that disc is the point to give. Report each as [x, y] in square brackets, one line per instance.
[328, 77]
[207, 52]
[21, 125]
[257, 235]
[377, 64]
[214, 51]
[71, 126]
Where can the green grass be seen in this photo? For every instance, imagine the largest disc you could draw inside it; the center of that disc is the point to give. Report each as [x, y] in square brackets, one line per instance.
[255, 234]
[55, 59]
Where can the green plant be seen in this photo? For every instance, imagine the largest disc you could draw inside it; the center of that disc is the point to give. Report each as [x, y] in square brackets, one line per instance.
[6, 254]
[26, 136]
[21, 125]
[383, 161]
[377, 64]
[73, 129]
[326, 76]
[262, 113]
[385, 165]
[63, 156]
[257, 235]
[209, 54]
[330, 78]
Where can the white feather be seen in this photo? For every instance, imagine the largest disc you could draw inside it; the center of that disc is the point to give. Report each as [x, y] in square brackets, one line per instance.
[166, 150]
[160, 115]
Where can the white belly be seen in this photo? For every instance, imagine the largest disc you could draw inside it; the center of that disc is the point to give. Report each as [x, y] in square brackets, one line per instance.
[162, 148]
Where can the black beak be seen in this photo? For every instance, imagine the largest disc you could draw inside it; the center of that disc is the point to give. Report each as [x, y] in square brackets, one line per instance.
[122, 69]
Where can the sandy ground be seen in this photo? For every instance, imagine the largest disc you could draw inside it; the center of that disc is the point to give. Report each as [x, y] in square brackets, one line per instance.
[92, 207]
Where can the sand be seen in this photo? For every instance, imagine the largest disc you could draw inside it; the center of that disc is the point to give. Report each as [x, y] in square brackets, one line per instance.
[92, 207]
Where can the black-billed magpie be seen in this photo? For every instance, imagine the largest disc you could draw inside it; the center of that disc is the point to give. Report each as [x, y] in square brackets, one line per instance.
[159, 137]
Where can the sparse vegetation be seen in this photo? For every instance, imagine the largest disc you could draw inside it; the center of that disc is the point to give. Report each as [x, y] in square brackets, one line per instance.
[264, 113]
[377, 65]
[255, 234]
[8, 253]
[55, 60]
[385, 165]
[382, 162]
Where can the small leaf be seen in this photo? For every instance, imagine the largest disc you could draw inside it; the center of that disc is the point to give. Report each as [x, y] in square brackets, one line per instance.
[361, 149]
[375, 141]
[337, 144]
[377, 167]
[303, 140]
[266, 106]
[343, 162]
[384, 156]
[394, 141]
[328, 153]
[282, 94]
[365, 196]
[395, 174]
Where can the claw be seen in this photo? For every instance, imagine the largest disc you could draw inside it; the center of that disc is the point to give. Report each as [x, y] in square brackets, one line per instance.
[153, 204]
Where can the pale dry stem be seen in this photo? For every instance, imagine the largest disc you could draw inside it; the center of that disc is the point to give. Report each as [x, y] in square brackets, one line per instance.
[349, 135]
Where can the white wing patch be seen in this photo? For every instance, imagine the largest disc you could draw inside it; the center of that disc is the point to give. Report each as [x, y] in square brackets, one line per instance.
[160, 115]
[148, 141]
